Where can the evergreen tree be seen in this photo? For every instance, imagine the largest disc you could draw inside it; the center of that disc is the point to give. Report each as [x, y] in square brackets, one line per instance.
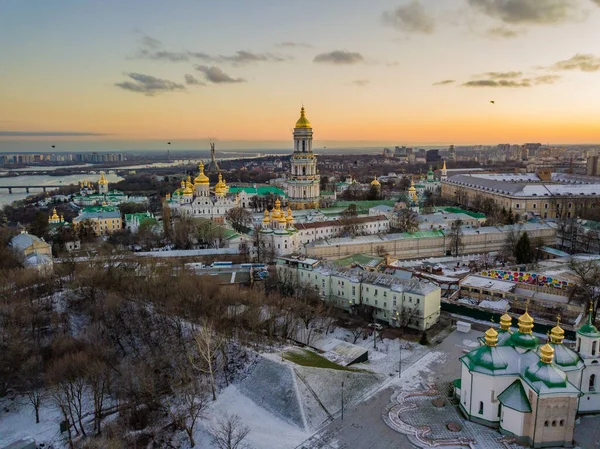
[39, 227]
[524, 250]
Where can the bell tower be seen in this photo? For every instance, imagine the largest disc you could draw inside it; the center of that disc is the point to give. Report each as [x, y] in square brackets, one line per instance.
[303, 183]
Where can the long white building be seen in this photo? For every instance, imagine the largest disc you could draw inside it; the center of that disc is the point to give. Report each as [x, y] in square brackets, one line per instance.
[413, 303]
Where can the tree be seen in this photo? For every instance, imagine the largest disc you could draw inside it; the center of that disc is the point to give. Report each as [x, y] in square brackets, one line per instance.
[208, 343]
[456, 241]
[374, 193]
[132, 208]
[263, 249]
[348, 220]
[229, 432]
[32, 374]
[407, 220]
[39, 227]
[588, 287]
[523, 250]
[166, 222]
[324, 183]
[239, 218]
[507, 253]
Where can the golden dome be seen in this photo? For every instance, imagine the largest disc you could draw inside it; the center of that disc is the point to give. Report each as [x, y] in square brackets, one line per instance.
[182, 184]
[266, 219]
[188, 191]
[276, 212]
[168, 196]
[491, 337]
[54, 214]
[505, 322]
[103, 180]
[412, 186]
[201, 178]
[303, 121]
[444, 167]
[290, 218]
[547, 353]
[62, 218]
[525, 323]
[557, 334]
[375, 183]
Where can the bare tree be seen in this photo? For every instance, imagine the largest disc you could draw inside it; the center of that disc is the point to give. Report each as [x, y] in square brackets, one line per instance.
[357, 332]
[407, 220]
[229, 432]
[33, 383]
[208, 343]
[239, 218]
[456, 242]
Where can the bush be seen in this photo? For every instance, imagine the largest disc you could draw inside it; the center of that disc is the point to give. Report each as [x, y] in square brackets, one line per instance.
[424, 340]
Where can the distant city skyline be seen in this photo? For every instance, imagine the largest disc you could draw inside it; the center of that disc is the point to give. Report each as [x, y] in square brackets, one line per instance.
[110, 76]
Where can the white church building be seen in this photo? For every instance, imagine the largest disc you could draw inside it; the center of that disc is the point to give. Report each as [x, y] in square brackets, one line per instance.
[529, 390]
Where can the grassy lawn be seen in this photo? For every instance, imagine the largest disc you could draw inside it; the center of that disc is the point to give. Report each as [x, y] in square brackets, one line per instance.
[304, 357]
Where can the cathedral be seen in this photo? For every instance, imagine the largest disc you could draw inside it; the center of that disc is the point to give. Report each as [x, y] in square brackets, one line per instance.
[528, 389]
[303, 182]
[197, 199]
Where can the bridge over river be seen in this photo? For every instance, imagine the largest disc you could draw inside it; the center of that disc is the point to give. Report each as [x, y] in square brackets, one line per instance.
[26, 188]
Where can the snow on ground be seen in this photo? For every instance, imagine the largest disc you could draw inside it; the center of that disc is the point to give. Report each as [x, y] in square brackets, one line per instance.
[267, 431]
[17, 421]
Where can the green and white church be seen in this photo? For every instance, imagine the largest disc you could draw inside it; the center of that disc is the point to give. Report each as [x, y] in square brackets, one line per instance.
[530, 390]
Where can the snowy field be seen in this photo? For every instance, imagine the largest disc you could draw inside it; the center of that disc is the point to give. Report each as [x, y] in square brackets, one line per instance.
[282, 403]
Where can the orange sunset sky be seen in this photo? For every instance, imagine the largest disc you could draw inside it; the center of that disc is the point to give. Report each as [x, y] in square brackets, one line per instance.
[116, 75]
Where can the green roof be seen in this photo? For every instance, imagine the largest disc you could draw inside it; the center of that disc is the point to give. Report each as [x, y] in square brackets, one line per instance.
[514, 397]
[327, 193]
[361, 259]
[540, 375]
[422, 234]
[486, 357]
[457, 383]
[458, 210]
[95, 209]
[564, 357]
[259, 190]
[528, 341]
[588, 329]
[364, 206]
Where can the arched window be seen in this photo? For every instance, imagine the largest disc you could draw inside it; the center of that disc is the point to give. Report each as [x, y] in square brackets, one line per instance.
[546, 423]
[304, 145]
[554, 423]
[578, 345]
[304, 171]
[593, 382]
[562, 422]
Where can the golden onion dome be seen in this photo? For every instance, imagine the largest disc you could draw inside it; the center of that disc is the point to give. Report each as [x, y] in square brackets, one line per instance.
[444, 167]
[201, 178]
[557, 334]
[505, 322]
[103, 180]
[290, 217]
[412, 186]
[54, 214]
[168, 196]
[182, 184]
[62, 218]
[547, 353]
[491, 337]
[267, 218]
[303, 121]
[525, 323]
[375, 183]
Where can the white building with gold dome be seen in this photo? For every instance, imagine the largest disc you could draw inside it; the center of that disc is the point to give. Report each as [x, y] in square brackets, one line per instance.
[529, 390]
[198, 199]
[303, 183]
[278, 234]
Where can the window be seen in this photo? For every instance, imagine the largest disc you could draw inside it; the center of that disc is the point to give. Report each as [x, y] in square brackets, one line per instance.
[594, 348]
[593, 382]
[578, 345]
[385, 304]
[481, 407]
[546, 423]
[353, 290]
[375, 302]
[418, 300]
[562, 422]
[394, 303]
[534, 206]
[554, 423]
[546, 206]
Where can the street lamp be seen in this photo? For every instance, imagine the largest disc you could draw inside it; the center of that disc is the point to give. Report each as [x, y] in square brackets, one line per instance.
[342, 400]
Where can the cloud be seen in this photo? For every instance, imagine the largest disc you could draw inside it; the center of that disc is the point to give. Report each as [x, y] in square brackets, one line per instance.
[153, 49]
[360, 83]
[190, 80]
[297, 44]
[597, 2]
[505, 32]
[527, 11]
[444, 83]
[149, 85]
[340, 57]
[511, 80]
[246, 57]
[497, 83]
[215, 75]
[500, 75]
[48, 134]
[583, 62]
[410, 18]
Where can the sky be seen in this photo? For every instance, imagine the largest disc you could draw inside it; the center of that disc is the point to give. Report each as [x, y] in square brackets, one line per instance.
[134, 74]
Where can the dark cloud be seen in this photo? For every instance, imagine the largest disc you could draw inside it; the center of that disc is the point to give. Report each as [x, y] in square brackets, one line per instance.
[153, 49]
[149, 85]
[501, 75]
[411, 18]
[246, 57]
[497, 83]
[297, 44]
[47, 134]
[340, 57]
[504, 32]
[511, 80]
[583, 62]
[360, 83]
[215, 75]
[190, 80]
[444, 83]
[527, 11]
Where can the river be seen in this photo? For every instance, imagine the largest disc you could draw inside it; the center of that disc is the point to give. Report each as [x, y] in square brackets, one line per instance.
[44, 180]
